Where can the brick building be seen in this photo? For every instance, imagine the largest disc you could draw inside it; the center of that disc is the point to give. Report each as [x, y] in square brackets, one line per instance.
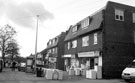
[55, 50]
[105, 39]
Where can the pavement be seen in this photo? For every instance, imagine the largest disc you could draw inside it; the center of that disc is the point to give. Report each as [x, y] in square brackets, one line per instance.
[8, 76]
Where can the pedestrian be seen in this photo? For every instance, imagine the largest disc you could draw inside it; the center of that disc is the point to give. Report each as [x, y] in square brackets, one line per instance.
[13, 65]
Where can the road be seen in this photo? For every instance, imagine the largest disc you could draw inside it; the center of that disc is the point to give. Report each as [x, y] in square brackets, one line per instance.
[8, 76]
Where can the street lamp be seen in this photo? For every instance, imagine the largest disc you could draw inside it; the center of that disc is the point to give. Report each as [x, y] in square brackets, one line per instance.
[36, 41]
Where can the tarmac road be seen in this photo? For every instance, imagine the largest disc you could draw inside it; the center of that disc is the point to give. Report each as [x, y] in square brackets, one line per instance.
[8, 76]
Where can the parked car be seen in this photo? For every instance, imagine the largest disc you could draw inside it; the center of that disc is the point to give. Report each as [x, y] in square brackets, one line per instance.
[128, 74]
[22, 66]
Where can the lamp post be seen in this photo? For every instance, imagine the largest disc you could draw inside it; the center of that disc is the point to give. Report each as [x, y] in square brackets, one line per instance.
[36, 41]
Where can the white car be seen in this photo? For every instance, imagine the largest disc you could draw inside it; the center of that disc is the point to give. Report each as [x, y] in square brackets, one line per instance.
[22, 66]
[128, 74]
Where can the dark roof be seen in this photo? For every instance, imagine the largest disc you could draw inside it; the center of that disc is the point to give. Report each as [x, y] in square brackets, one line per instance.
[55, 44]
[96, 21]
[44, 51]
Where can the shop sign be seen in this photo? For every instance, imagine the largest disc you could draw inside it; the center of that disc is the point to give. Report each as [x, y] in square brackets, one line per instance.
[51, 59]
[88, 54]
[29, 61]
[67, 56]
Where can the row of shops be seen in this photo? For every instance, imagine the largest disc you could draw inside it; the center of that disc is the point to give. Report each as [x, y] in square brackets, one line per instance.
[84, 62]
[99, 46]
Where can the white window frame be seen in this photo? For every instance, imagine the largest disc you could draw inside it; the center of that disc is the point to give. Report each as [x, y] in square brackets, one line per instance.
[74, 29]
[53, 50]
[95, 38]
[56, 49]
[69, 45]
[74, 44]
[53, 40]
[85, 41]
[119, 13]
[50, 42]
[85, 23]
[50, 51]
[133, 16]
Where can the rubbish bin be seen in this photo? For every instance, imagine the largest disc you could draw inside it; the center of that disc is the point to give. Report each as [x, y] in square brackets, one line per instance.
[39, 72]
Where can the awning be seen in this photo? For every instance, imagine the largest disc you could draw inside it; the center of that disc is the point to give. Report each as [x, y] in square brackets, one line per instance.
[89, 54]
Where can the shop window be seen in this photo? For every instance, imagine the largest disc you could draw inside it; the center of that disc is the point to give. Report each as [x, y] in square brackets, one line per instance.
[85, 41]
[74, 44]
[119, 15]
[133, 15]
[95, 38]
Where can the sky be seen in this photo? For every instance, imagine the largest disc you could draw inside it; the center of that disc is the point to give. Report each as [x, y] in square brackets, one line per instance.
[55, 16]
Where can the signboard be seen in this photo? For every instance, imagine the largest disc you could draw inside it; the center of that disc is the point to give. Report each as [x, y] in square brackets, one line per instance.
[52, 60]
[88, 54]
[29, 61]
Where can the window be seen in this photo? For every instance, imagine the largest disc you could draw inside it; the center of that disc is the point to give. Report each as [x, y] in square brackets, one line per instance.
[119, 14]
[50, 42]
[53, 41]
[74, 44]
[50, 51]
[85, 23]
[53, 50]
[56, 50]
[69, 45]
[133, 15]
[85, 41]
[74, 29]
[95, 38]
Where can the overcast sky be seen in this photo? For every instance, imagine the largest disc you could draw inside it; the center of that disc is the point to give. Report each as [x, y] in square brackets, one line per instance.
[55, 17]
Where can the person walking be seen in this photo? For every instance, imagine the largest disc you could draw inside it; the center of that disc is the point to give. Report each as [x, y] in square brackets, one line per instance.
[13, 65]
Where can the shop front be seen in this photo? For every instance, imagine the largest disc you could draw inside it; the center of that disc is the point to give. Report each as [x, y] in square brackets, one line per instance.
[52, 62]
[70, 61]
[91, 64]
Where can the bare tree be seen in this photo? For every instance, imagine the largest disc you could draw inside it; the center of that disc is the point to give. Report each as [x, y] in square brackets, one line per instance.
[6, 35]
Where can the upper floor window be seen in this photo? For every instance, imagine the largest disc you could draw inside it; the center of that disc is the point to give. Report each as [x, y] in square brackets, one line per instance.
[85, 23]
[95, 39]
[56, 49]
[50, 42]
[69, 46]
[49, 50]
[53, 41]
[85, 41]
[74, 44]
[53, 51]
[133, 15]
[119, 14]
[74, 28]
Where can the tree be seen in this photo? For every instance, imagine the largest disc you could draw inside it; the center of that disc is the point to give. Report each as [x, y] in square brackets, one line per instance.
[6, 35]
[12, 49]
